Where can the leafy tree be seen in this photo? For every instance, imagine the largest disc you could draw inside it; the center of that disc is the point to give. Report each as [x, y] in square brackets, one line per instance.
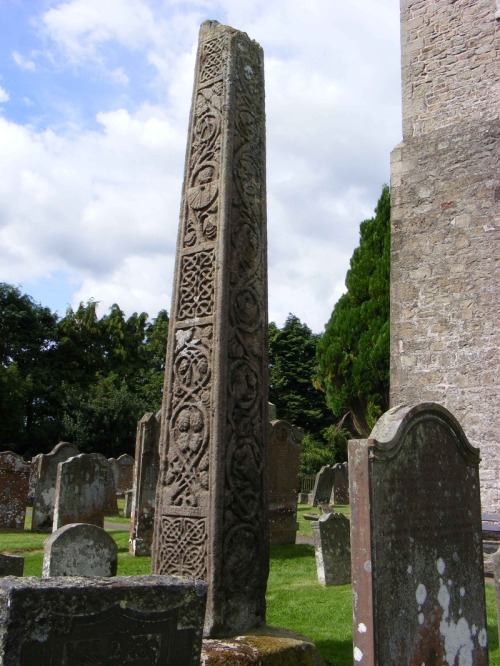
[28, 337]
[353, 354]
[292, 366]
[151, 376]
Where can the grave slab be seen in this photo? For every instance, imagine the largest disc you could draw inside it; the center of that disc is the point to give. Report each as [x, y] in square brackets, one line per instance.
[417, 560]
[146, 620]
[332, 549]
[79, 550]
[11, 565]
[14, 486]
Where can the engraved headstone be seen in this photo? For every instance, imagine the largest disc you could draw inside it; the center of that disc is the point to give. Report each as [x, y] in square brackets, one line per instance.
[11, 565]
[110, 500]
[123, 473]
[45, 489]
[147, 467]
[340, 490]
[417, 560]
[146, 620]
[14, 483]
[211, 516]
[79, 549]
[283, 471]
[322, 486]
[80, 490]
[496, 575]
[332, 548]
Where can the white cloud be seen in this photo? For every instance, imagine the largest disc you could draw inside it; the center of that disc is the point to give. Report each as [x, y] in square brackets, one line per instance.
[4, 95]
[102, 204]
[22, 62]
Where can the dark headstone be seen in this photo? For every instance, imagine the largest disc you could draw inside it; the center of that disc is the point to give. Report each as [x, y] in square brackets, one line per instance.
[323, 486]
[340, 490]
[127, 503]
[283, 468]
[110, 500]
[80, 490]
[417, 561]
[45, 489]
[211, 513]
[123, 473]
[137, 620]
[80, 550]
[11, 565]
[146, 470]
[14, 484]
[332, 549]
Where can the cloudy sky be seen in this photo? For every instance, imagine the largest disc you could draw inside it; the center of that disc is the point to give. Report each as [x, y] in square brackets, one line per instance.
[94, 106]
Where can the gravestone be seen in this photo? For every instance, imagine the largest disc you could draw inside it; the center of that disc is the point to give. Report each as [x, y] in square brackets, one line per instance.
[272, 412]
[123, 473]
[283, 479]
[110, 500]
[496, 575]
[147, 466]
[146, 620]
[127, 503]
[11, 565]
[80, 490]
[14, 485]
[79, 549]
[45, 489]
[211, 516]
[322, 486]
[417, 561]
[340, 489]
[33, 479]
[332, 548]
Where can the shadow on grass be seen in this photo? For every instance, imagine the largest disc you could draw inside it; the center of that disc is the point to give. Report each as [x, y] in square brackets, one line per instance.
[292, 552]
[335, 653]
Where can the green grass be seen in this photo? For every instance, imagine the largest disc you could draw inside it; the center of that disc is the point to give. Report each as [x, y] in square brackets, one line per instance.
[305, 526]
[295, 600]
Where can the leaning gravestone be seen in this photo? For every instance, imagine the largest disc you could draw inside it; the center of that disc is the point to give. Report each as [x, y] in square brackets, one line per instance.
[417, 561]
[283, 479]
[340, 490]
[147, 467]
[211, 516]
[80, 490]
[146, 620]
[45, 489]
[14, 485]
[11, 565]
[79, 550]
[322, 486]
[332, 548]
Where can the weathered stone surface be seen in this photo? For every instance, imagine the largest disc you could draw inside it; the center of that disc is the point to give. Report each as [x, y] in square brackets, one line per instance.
[211, 519]
[110, 500]
[417, 561]
[445, 198]
[45, 489]
[340, 489]
[32, 480]
[79, 550]
[80, 490]
[496, 574]
[11, 565]
[332, 548]
[283, 479]
[123, 472]
[323, 486]
[269, 646]
[272, 412]
[147, 620]
[14, 483]
[127, 504]
[147, 468]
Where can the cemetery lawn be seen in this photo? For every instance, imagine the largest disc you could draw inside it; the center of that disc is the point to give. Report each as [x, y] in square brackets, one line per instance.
[295, 600]
[305, 526]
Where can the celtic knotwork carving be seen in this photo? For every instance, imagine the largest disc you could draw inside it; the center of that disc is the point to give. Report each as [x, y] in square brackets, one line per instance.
[202, 209]
[196, 290]
[186, 478]
[246, 312]
[212, 53]
[191, 364]
[183, 547]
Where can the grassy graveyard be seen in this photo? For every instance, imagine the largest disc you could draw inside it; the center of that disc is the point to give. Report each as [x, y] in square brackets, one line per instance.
[295, 600]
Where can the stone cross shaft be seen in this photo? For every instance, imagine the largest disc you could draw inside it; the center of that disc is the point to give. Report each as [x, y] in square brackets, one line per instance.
[211, 512]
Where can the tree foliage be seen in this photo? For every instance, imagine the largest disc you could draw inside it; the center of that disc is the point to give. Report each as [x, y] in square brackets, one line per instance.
[353, 353]
[83, 378]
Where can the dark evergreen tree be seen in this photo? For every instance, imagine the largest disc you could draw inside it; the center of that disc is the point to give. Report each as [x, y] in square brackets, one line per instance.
[353, 353]
[292, 366]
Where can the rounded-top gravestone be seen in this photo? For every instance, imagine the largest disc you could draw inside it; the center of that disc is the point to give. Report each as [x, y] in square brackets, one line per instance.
[79, 549]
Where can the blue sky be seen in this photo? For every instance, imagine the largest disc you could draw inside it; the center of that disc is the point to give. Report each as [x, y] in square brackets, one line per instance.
[94, 105]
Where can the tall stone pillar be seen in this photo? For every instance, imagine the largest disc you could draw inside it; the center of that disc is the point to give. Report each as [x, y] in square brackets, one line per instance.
[445, 210]
[211, 514]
